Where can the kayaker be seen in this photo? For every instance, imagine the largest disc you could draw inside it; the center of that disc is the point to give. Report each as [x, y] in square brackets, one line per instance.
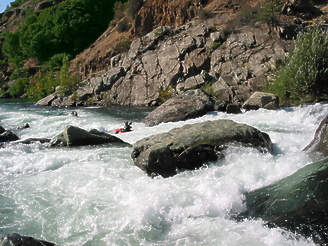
[127, 126]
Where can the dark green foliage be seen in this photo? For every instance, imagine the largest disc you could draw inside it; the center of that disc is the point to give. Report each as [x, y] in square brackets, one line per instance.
[53, 35]
[133, 7]
[119, 8]
[270, 11]
[305, 73]
[17, 3]
[123, 45]
[68, 27]
[122, 25]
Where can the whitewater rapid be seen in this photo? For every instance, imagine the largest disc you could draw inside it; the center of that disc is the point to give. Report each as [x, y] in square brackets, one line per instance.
[94, 195]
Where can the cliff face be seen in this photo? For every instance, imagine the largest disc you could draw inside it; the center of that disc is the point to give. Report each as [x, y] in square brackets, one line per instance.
[151, 15]
[189, 44]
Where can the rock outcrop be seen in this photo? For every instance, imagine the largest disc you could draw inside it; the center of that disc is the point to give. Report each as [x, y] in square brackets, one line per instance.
[18, 240]
[190, 104]
[298, 202]
[200, 54]
[189, 147]
[320, 140]
[75, 136]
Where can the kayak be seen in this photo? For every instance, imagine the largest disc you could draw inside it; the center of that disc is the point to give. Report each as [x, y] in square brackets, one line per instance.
[121, 130]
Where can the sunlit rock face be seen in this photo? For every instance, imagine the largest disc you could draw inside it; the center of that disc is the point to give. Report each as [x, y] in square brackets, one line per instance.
[193, 56]
[190, 146]
[191, 104]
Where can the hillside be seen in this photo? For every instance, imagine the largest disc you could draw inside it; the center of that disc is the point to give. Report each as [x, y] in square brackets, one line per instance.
[156, 13]
[205, 35]
[37, 35]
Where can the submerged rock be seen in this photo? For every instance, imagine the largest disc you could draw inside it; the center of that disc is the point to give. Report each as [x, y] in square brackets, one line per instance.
[191, 104]
[33, 140]
[298, 202]
[320, 140]
[18, 240]
[189, 147]
[75, 136]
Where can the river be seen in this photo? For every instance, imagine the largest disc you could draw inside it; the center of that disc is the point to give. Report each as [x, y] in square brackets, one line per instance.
[94, 195]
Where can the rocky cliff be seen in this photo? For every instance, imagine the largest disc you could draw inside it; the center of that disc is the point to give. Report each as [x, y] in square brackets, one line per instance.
[213, 45]
[159, 48]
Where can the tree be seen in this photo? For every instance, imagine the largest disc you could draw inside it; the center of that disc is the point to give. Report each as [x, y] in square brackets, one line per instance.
[305, 73]
[270, 11]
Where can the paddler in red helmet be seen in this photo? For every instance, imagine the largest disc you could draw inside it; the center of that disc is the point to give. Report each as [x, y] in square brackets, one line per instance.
[127, 126]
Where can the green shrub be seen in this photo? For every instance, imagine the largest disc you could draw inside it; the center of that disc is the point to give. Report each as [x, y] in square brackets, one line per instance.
[163, 31]
[133, 8]
[18, 87]
[165, 94]
[270, 11]
[123, 45]
[215, 45]
[305, 73]
[123, 26]
[68, 82]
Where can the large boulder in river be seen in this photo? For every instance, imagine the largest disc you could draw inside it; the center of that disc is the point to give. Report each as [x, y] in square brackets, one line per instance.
[18, 240]
[190, 104]
[320, 140]
[75, 136]
[190, 146]
[298, 202]
[262, 100]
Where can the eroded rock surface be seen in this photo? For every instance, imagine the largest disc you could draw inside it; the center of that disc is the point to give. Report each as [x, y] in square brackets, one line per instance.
[75, 136]
[190, 146]
[190, 104]
[196, 55]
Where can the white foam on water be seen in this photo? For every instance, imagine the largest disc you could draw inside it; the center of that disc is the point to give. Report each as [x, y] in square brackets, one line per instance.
[94, 195]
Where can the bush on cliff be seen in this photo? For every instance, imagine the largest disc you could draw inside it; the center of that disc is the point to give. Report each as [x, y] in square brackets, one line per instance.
[304, 75]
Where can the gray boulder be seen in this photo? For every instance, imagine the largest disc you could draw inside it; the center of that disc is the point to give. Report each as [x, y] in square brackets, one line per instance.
[8, 136]
[75, 136]
[189, 147]
[298, 203]
[47, 101]
[18, 240]
[320, 140]
[191, 104]
[262, 100]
